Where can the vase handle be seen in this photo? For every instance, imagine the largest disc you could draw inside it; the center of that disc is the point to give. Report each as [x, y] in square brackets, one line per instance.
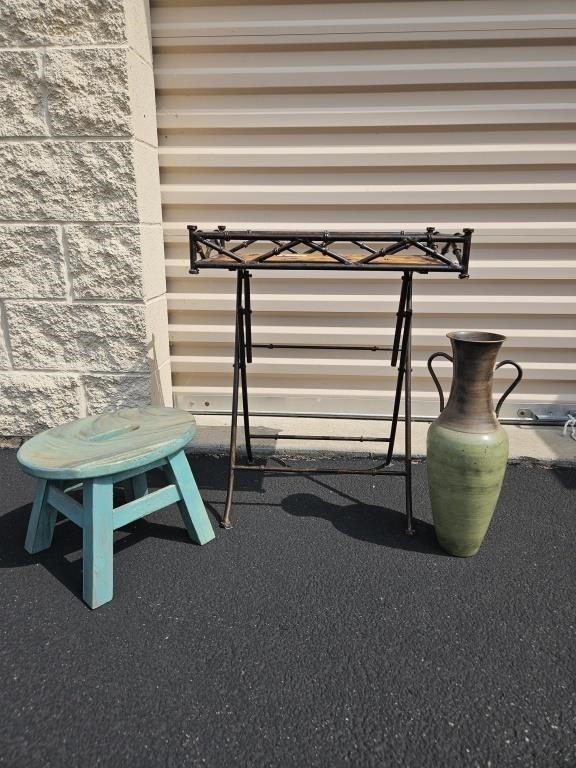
[435, 378]
[512, 386]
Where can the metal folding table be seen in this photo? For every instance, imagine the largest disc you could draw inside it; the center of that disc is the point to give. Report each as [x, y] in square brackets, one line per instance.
[407, 253]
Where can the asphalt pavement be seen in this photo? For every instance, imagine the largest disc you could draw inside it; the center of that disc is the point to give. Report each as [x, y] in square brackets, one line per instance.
[314, 633]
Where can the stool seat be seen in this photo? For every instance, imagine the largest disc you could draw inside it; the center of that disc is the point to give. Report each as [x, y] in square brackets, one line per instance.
[107, 443]
[96, 453]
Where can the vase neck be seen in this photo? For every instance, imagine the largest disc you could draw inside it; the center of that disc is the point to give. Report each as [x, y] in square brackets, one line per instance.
[470, 407]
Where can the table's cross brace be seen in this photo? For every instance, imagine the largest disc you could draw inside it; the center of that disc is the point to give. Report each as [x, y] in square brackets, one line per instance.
[401, 357]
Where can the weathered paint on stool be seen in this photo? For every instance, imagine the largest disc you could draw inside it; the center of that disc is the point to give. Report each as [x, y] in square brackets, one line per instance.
[97, 452]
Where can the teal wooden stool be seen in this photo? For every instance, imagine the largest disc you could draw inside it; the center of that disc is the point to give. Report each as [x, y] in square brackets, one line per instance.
[95, 453]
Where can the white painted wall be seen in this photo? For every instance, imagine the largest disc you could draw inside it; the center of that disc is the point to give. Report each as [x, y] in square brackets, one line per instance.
[82, 289]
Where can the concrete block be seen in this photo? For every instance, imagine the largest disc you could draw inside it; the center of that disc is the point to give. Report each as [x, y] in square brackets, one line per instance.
[77, 337]
[61, 22]
[147, 183]
[31, 262]
[138, 32]
[153, 265]
[105, 261]
[106, 393]
[4, 356]
[156, 313]
[21, 99]
[162, 385]
[142, 99]
[70, 180]
[4, 359]
[31, 402]
[87, 92]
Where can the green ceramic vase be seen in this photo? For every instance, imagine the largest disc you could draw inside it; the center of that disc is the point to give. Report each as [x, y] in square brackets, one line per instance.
[467, 447]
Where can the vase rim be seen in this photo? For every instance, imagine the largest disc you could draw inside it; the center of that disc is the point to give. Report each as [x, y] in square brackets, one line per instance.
[478, 337]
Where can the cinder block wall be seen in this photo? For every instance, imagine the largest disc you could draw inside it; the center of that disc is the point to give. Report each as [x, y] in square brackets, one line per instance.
[83, 321]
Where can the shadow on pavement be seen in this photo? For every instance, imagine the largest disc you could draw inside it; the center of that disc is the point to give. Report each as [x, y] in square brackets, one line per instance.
[64, 558]
[566, 476]
[366, 522]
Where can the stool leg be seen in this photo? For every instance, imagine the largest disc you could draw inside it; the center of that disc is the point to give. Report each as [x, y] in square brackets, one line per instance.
[135, 487]
[139, 485]
[191, 507]
[42, 521]
[98, 532]
[128, 489]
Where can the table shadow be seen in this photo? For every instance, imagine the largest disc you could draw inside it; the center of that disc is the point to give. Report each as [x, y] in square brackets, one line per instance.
[367, 522]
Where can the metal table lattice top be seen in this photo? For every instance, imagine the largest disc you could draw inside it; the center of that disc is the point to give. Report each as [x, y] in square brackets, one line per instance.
[421, 252]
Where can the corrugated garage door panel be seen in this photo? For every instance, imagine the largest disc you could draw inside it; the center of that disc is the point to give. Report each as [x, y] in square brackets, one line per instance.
[373, 115]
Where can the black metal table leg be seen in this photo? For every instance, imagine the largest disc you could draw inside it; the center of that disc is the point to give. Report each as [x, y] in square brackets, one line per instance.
[400, 318]
[225, 522]
[245, 356]
[400, 346]
[248, 316]
[403, 347]
[408, 411]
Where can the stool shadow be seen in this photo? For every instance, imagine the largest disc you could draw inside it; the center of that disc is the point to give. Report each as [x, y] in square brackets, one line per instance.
[64, 558]
[373, 524]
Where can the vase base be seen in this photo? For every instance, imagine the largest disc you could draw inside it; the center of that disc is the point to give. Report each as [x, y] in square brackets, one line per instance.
[459, 551]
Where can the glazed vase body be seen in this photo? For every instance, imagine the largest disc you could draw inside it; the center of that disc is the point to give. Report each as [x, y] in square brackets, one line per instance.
[467, 448]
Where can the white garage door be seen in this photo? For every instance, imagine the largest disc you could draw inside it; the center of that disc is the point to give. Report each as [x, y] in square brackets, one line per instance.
[372, 115]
